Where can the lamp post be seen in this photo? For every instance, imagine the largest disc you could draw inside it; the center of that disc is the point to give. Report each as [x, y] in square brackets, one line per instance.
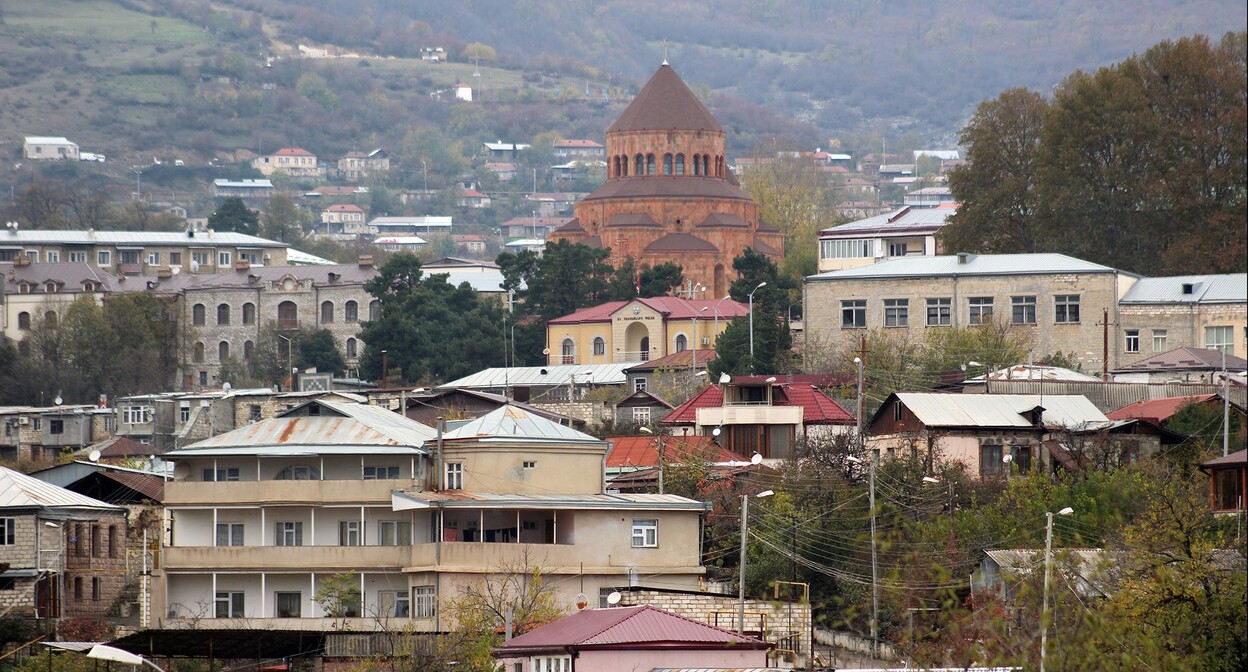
[717, 315]
[745, 531]
[138, 185]
[1048, 573]
[424, 171]
[113, 654]
[751, 297]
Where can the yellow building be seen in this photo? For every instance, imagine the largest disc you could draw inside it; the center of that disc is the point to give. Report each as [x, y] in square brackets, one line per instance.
[638, 330]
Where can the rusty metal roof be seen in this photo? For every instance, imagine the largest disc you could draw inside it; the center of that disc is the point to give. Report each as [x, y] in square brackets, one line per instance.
[19, 491]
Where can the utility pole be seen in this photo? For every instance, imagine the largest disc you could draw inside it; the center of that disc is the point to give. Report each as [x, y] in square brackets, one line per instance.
[1105, 347]
[1226, 409]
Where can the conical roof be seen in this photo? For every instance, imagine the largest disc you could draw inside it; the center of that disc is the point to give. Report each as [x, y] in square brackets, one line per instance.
[666, 103]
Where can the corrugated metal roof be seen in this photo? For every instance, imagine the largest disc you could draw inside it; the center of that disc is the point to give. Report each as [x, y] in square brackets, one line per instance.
[976, 264]
[1001, 410]
[643, 451]
[1035, 372]
[1229, 288]
[817, 407]
[511, 424]
[403, 501]
[545, 376]
[19, 491]
[1185, 359]
[341, 426]
[58, 237]
[903, 220]
[484, 281]
[637, 626]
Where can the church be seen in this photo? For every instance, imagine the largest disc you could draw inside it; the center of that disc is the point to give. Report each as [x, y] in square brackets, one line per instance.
[669, 194]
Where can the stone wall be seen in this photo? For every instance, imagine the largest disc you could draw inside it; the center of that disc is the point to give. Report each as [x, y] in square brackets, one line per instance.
[1180, 325]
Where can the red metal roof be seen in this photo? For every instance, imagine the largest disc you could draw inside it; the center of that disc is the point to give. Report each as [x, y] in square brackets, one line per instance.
[292, 151]
[643, 451]
[578, 143]
[344, 207]
[1157, 411]
[817, 407]
[643, 627]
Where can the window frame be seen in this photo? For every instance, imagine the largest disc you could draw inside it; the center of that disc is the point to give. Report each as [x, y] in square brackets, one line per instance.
[1066, 309]
[645, 533]
[278, 596]
[454, 476]
[8, 531]
[234, 534]
[897, 313]
[1131, 341]
[288, 533]
[394, 533]
[424, 602]
[1023, 310]
[1214, 335]
[1161, 340]
[853, 313]
[350, 533]
[943, 312]
[235, 602]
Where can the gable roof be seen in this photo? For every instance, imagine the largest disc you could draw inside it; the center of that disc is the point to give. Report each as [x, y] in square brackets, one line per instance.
[671, 307]
[627, 628]
[19, 491]
[1185, 359]
[511, 424]
[1072, 411]
[967, 264]
[643, 451]
[1227, 288]
[906, 220]
[679, 360]
[817, 407]
[1157, 411]
[681, 242]
[665, 103]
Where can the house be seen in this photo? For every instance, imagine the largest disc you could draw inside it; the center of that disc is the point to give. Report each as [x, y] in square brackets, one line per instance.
[33, 292]
[552, 204]
[1156, 315]
[1228, 482]
[1001, 571]
[753, 414]
[906, 232]
[505, 172]
[291, 161]
[532, 227]
[579, 149]
[673, 372]
[579, 169]
[433, 54]
[409, 226]
[639, 330]
[463, 92]
[469, 242]
[624, 639]
[141, 252]
[458, 265]
[49, 148]
[635, 453]
[344, 219]
[471, 198]
[400, 243]
[1160, 411]
[426, 406]
[1057, 302]
[63, 554]
[357, 165]
[537, 245]
[929, 197]
[1183, 364]
[334, 191]
[503, 151]
[536, 384]
[642, 408]
[247, 188]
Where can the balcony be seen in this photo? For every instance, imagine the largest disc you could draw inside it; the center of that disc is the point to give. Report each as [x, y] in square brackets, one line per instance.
[285, 558]
[313, 493]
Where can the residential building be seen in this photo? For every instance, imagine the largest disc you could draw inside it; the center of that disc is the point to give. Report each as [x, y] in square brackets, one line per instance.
[469, 242]
[503, 151]
[142, 252]
[409, 226]
[671, 375]
[433, 54]
[63, 554]
[356, 489]
[39, 292]
[346, 219]
[553, 204]
[906, 232]
[532, 227]
[579, 169]
[1059, 303]
[471, 198]
[1182, 365]
[580, 149]
[1228, 482]
[638, 330]
[1160, 411]
[426, 406]
[356, 165]
[641, 408]
[537, 384]
[753, 414]
[670, 195]
[410, 244]
[504, 171]
[48, 148]
[1198, 311]
[623, 639]
[247, 188]
[929, 197]
[290, 161]
[334, 191]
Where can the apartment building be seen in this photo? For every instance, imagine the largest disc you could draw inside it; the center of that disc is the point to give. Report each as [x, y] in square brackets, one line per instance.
[141, 252]
[908, 232]
[1195, 311]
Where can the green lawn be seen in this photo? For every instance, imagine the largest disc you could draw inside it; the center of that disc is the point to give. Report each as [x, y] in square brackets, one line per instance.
[99, 19]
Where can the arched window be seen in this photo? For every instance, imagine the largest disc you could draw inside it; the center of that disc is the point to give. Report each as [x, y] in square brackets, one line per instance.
[567, 351]
[706, 165]
[249, 313]
[649, 164]
[639, 167]
[351, 347]
[248, 349]
[667, 164]
[623, 166]
[615, 166]
[645, 348]
[680, 164]
[374, 310]
[197, 314]
[719, 166]
[351, 312]
[697, 164]
[49, 318]
[327, 312]
[223, 351]
[23, 320]
[198, 353]
[682, 343]
[223, 314]
[600, 345]
[287, 315]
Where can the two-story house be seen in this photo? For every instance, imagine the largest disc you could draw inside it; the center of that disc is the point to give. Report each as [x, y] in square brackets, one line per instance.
[639, 330]
[357, 165]
[291, 161]
[344, 219]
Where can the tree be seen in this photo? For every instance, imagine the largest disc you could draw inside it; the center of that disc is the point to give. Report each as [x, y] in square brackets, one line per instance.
[477, 52]
[513, 598]
[773, 344]
[234, 215]
[661, 279]
[319, 350]
[284, 221]
[564, 278]
[997, 187]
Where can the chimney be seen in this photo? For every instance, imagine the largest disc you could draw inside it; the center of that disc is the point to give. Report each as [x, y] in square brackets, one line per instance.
[242, 265]
[253, 279]
[366, 260]
[164, 273]
[965, 258]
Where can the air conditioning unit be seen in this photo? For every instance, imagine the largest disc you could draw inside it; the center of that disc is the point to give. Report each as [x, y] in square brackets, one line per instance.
[706, 340]
[24, 421]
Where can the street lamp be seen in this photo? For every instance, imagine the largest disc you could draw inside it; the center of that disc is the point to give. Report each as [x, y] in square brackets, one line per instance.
[858, 361]
[745, 531]
[113, 654]
[751, 297]
[717, 315]
[647, 430]
[138, 184]
[1048, 573]
[424, 169]
[875, 586]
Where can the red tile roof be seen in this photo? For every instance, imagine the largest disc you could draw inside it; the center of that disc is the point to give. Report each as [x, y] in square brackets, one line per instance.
[817, 407]
[643, 627]
[1157, 411]
[643, 451]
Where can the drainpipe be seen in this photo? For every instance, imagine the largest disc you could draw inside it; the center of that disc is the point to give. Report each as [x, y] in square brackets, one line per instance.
[441, 470]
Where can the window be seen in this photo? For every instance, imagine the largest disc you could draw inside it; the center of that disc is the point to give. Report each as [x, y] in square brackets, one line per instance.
[980, 310]
[351, 312]
[567, 351]
[854, 314]
[248, 349]
[225, 474]
[424, 603]
[52, 256]
[897, 410]
[287, 315]
[844, 249]
[288, 605]
[253, 411]
[600, 345]
[645, 533]
[8, 531]
[551, 664]
[95, 589]
[153, 258]
[175, 258]
[990, 462]
[289, 534]
[349, 533]
[454, 476]
[939, 312]
[639, 384]
[184, 413]
[223, 314]
[530, 464]
[56, 426]
[1022, 457]
[77, 587]
[1160, 340]
[641, 414]
[394, 533]
[197, 353]
[667, 164]
[1132, 340]
[197, 314]
[394, 603]
[200, 258]
[640, 167]
[1227, 489]
[374, 310]
[299, 472]
[249, 313]
[223, 260]
[136, 415]
[682, 343]
[680, 164]
[896, 312]
[376, 473]
[128, 256]
[223, 351]
[78, 257]
[897, 249]
[112, 541]
[649, 164]
[252, 258]
[230, 534]
[229, 605]
[327, 312]
[103, 258]
[353, 348]
[1066, 309]
[1022, 310]
[1220, 338]
[23, 320]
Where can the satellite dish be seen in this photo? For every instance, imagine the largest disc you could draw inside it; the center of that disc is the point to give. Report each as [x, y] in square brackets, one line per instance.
[716, 432]
[94, 456]
[725, 378]
[770, 380]
[1007, 459]
[58, 400]
[545, 351]
[614, 598]
[181, 471]
[226, 387]
[756, 459]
